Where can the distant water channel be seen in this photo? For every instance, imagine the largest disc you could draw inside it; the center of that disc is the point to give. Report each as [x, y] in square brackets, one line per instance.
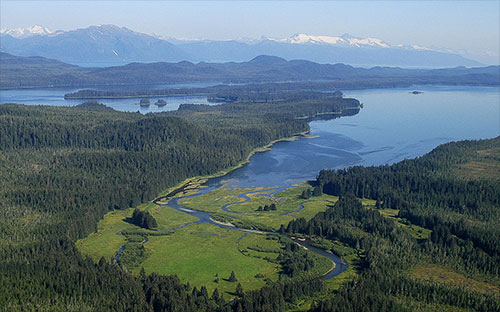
[55, 97]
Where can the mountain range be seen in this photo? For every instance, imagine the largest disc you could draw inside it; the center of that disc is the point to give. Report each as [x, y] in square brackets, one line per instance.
[27, 72]
[106, 45]
[28, 32]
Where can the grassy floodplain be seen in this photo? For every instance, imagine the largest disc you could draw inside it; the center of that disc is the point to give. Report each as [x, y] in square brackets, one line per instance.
[287, 203]
[205, 254]
[108, 238]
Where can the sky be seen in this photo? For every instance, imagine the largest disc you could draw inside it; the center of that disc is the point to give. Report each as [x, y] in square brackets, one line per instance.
[471, 28]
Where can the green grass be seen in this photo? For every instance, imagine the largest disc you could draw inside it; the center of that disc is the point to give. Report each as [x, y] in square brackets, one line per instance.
[415, 231]
[200, 252]
[214, 200]
[256, 246]
[286, 202]
[106, 242]
[168, 218]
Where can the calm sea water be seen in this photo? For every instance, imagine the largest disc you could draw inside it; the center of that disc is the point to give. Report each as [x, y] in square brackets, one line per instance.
[55, 97]
[392, 126]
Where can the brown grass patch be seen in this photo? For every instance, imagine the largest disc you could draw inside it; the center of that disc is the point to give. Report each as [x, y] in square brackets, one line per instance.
[443, 275]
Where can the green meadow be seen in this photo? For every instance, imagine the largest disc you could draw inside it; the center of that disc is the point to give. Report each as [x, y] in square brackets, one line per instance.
[205, 254]
[287, 203]
[108, 238]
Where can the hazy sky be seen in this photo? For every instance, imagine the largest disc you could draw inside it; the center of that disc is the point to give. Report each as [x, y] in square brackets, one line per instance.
[470, 27]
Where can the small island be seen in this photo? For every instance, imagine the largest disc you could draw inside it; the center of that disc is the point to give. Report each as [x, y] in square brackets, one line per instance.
[161, 103]
[144, 103]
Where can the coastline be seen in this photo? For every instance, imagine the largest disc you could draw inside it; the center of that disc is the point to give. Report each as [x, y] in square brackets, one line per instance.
[89, 98]
[193, 183]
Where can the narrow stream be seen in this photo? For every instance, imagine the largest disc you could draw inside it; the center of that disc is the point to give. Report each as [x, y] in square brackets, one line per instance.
[340, 264]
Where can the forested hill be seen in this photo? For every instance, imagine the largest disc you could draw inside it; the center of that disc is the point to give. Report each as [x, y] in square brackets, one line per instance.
[27, 72]
[429, 241]
[63, 168]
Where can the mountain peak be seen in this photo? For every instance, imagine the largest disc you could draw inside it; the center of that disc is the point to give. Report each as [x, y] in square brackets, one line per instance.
[309, 39]
[110, 27]
[27, 31]
[344, 40]
[267, 59]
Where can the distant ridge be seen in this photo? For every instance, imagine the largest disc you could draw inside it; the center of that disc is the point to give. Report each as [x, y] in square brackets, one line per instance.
[109, 44]
[28, 72]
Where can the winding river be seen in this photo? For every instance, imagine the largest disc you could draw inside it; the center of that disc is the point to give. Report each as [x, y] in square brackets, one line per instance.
[393, 125]
[204, 217]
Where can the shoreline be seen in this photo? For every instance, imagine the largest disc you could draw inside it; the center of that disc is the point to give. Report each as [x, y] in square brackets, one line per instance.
[194, 183]
[131, 96]
[388, 86]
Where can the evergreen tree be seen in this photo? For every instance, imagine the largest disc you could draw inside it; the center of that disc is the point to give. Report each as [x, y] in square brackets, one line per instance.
[215, 295]
[317, 191]
[239, 290]
[306, 194]
[232, 277]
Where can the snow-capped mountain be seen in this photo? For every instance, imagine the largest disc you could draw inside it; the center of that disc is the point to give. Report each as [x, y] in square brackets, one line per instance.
[112, 45]
[28, 31]
[95, 45]
[345, 40]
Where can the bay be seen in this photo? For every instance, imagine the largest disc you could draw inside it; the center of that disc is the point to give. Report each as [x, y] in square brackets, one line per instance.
[393, 125]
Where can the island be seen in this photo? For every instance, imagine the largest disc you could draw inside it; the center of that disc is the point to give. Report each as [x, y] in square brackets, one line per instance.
[144, 103]
[161, 103]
